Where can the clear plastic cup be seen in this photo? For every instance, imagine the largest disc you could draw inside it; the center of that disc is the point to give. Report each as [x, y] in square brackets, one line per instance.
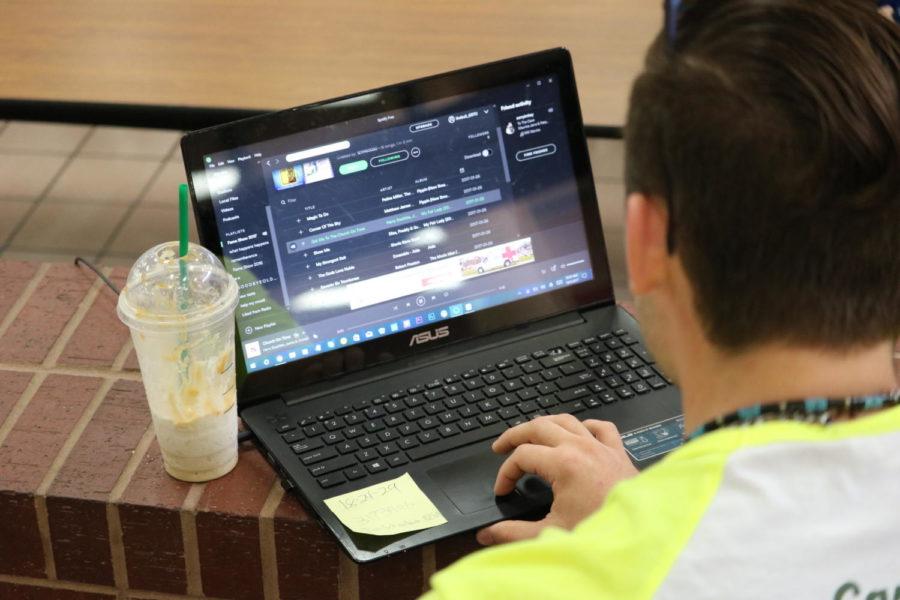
[182, 322]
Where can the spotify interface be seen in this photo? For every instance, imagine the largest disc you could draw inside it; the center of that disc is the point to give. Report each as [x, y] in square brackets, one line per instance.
[372, 226]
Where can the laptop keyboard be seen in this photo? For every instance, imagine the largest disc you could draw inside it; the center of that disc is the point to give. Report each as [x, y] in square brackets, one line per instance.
[354, 441]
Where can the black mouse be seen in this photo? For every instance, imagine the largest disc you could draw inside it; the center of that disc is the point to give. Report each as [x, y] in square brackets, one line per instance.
[535, 489]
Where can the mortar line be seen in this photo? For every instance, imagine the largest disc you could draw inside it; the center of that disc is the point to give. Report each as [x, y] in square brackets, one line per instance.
[92, 588]
[267, 548]
[23, 298]
[43, 522]
[348, 578]
[429, 566]
[116, 547]
[68, 331]
[21, 404]
[86, 415]
[189, 542]
[74, 371]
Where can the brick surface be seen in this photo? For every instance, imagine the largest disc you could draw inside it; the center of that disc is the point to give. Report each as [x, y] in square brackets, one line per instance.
[12, 384]
[80, 540]
[244, 490]
[94, 465]
[15, 276]
[99, 338]
[41, 320]
[28, 592]
[307, 555]
[151, 527]
[447, 552]
[151, 486]
[227, 540]
[42, 429]
[228, 529]
[21, 552]
[398, 577]
[131, 362]
[77, 502]
[154, 553]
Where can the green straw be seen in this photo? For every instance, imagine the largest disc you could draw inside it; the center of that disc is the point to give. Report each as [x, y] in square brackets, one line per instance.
[183, 229]
[183, 273]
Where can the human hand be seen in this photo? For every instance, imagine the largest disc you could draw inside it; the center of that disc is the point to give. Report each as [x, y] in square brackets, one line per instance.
[580, 460]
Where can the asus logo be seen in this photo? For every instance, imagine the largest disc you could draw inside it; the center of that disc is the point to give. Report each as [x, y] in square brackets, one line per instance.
[430, 336]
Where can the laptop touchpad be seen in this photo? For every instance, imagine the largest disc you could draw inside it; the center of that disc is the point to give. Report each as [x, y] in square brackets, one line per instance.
[469, 482]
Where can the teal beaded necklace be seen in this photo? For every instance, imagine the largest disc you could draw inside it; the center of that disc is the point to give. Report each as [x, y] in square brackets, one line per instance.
[810, 410]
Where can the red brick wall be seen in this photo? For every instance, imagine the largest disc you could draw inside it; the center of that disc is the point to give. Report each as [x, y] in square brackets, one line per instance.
[86, 510]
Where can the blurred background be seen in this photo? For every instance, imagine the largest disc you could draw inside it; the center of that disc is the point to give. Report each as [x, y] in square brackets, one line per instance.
[94, 95]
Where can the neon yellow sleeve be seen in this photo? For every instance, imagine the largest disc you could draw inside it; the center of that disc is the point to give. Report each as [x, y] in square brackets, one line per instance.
[622, 551]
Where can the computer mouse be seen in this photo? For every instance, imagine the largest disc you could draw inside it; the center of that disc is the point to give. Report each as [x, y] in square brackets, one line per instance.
[535, 489]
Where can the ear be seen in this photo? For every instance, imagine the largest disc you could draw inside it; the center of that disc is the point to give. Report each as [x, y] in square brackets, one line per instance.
[646, 228]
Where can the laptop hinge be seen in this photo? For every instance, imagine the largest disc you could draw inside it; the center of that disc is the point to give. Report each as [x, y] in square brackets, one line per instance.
[451, 351]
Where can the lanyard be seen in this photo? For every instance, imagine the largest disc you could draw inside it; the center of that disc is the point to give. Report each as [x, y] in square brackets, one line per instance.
[809, 410]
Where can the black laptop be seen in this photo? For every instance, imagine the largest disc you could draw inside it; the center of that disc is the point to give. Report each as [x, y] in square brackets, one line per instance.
[421, 267]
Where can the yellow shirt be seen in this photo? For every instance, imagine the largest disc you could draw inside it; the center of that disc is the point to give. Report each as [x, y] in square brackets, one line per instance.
[780, 509]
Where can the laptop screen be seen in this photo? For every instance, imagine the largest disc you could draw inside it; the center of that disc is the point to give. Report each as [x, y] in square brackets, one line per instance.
[361, 229]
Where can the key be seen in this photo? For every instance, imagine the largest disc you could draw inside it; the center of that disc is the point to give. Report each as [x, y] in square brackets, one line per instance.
[448, 417]
[574, 380]
[354, 472]
[373, 426]
[433, 395]
[330, 466]
[353, 432]
[656, 383]
[293, 437]
[367, 455]
[346, 447]
[332, 438]
[554, 360]
[307, 446]
[408, 442]
[389, 448]
[464, 439]
[396, 460]
[408, 429]
[488, 418]
[313, 430]
[427, 437]
[528, 407]
[331, 480]
[376, 466]
[318, 455]
[573, 393]
[448, 430]
[571, 368]
[367, 441]
[388, 435]
[508, 412]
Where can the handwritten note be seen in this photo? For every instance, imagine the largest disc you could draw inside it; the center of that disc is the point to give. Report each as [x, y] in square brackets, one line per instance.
[387, 508]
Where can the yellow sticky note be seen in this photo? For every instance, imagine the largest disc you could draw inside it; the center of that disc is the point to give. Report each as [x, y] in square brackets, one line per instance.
[387, 508]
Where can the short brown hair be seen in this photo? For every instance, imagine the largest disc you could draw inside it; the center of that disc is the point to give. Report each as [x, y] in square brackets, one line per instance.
[771, 129]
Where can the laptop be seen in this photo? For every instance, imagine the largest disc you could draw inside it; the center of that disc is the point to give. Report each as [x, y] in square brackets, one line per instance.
[422, 266]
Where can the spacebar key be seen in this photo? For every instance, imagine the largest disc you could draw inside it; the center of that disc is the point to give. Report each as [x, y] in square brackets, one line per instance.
[470, 437]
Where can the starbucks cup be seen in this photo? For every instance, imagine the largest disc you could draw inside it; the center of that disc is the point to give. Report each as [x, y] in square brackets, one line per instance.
[181, 315]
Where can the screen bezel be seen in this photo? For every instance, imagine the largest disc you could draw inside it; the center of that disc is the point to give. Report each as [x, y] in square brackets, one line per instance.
[291, 375]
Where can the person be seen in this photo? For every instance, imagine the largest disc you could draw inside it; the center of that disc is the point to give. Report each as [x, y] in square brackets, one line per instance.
[762, 171]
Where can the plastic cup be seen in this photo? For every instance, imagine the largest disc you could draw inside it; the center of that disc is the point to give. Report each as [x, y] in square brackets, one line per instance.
[181, 315]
